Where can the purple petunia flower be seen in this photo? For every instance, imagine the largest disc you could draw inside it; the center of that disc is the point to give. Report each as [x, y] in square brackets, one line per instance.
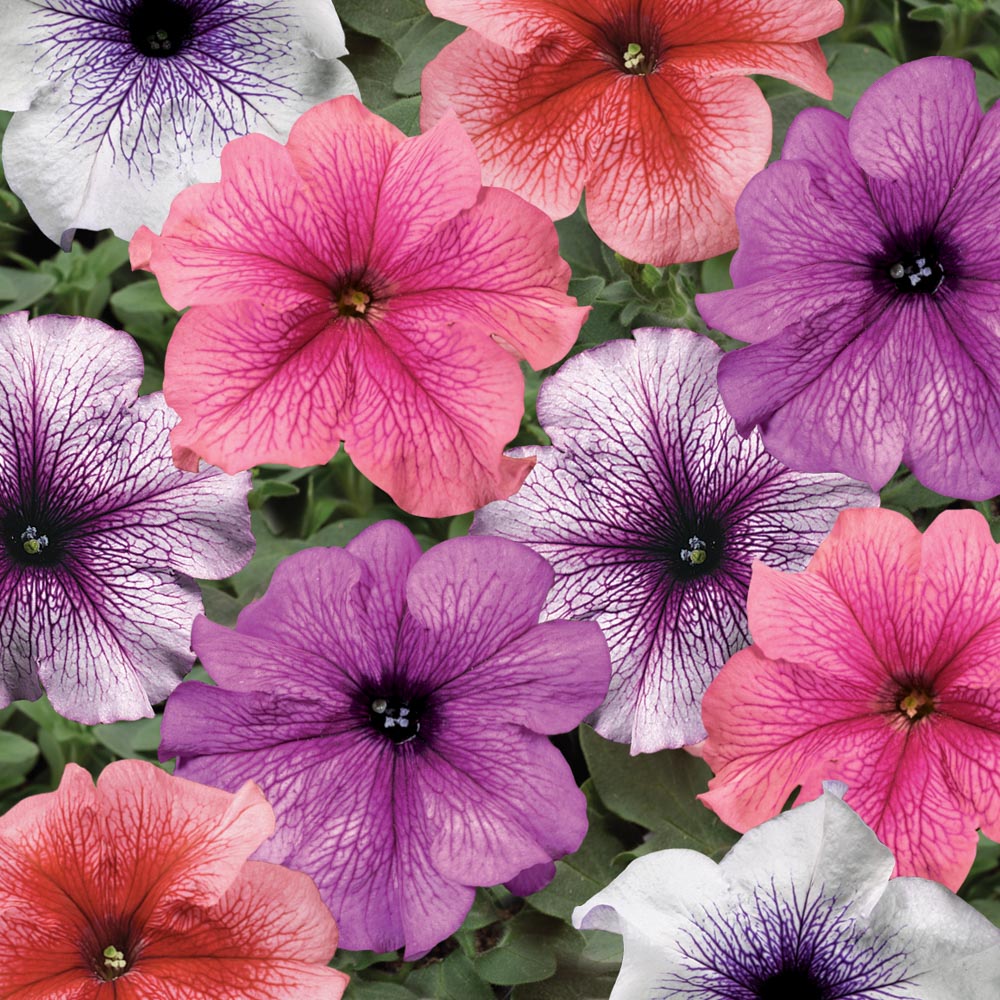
[651, 509]
[802, 908]
[123, 103]
[393, 707]
[868, 284]
[101, 533]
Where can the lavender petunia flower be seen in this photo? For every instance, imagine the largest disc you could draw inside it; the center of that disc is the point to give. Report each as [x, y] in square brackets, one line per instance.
[802, 907]
[651, 509]
[101, 533]
[123, 103]
[868, 285]
[393, 707]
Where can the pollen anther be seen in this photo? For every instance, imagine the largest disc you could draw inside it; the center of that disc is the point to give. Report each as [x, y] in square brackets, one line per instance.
[634, 57]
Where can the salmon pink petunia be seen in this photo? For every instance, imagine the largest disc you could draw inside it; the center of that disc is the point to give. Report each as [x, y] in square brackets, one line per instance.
[140, 888]
[646, 103]
[876, 666]
[359, 286]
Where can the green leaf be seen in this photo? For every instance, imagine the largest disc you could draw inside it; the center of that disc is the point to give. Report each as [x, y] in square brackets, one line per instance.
[527, 949]
[418, 47]
[853, 69]
[989, 908]
[140, 297]
[657, 791]
[264, 489]
[20, 289]
[388, 19]
[715, 273]
[360, 989]
[133, 739]
[404, 114]
[17, 757]
[934, 12]
[453, 979]
[374, 65]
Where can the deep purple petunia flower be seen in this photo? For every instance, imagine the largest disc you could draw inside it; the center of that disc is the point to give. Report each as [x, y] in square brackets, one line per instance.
[651, 509]
[101, 533]
[123, 103]
[393, 707]
[868, 284]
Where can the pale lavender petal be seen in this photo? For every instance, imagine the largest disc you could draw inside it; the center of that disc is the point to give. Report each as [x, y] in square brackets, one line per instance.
[646, 462]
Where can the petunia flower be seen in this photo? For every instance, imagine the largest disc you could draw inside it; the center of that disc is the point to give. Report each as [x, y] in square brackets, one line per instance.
[395, 709]
[876, 666]
[101, 534]
[868, 285]
[123, 103]
[361, 286]
[651, 509]
[645, 103]
[802, 908]
[140, 888]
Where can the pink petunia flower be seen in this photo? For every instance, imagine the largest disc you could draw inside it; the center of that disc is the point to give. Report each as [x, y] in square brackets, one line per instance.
[140, 888]
[877, 666]
[643, 102]
[359, 286]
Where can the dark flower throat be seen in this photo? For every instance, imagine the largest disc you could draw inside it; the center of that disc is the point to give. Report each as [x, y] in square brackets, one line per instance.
[160, 28]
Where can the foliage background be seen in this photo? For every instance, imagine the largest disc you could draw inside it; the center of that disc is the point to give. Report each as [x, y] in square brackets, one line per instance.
[507, 948]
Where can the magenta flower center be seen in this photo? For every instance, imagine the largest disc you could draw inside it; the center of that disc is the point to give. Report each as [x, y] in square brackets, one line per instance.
[915, 704]
[395, 718]
[160, 28]
[353, 302]
[28, 539]
[918, 272]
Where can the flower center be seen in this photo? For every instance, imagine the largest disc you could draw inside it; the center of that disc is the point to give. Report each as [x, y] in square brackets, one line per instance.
[160, 28]
[920, 272]
[353, 302]
[395, 718]
[32, 542]
[695, 554]
[115, 964]
[791, 984]
[635, 61]
[915, 704]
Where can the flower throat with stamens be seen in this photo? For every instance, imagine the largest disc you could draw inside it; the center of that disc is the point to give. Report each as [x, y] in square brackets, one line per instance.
[160, 28]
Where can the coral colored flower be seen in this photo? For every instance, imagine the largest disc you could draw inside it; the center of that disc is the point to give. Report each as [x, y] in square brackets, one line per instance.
[876, 666]
[357, 285]
[651, 509]
[643, 102]
[394, 708]
[140, 888]
[868, 284]
[801, 908]
[121, 104]
[101, 534]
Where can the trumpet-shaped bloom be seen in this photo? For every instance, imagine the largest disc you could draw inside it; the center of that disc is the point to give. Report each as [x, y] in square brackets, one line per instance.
[357, 285]
[651, 509]
[123, 103]
[868, 286]
[645, 103]
[101, 533]
[141, 888]
[394, 707]
[876, 666]
[801, 908]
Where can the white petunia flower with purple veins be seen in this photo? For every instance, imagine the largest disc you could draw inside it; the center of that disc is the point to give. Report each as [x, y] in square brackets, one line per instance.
[802, 908]
[651, 509]
[121, 104]
[101, 534]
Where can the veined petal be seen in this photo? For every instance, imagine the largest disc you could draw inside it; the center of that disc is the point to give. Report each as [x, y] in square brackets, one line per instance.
[253, 383]
[432, 409]
[918, 121]
[126, 131]
[527, 113]
[673, 157]
[499, 264]
[519, 25]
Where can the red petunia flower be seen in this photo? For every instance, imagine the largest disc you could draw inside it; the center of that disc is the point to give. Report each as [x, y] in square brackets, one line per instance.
[140, 888]
[643, 102]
